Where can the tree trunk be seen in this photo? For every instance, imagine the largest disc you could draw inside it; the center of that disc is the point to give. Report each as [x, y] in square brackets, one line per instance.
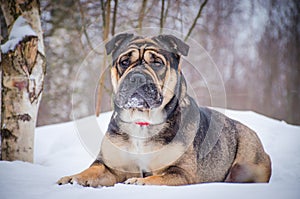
[142, 15]
[23, 69]
[162, 11]
[106, 25]
[166, 12]
[114, 18]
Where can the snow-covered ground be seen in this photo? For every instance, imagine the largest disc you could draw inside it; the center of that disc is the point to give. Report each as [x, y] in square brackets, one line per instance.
[59, 152]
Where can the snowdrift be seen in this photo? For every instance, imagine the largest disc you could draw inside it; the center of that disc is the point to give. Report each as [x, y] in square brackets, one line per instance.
[59, 152]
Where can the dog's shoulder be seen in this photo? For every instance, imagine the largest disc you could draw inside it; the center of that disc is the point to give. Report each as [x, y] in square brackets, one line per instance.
[213, 117]
[214, 125]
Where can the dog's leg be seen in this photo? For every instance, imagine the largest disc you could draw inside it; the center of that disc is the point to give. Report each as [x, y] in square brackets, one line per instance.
[172, 177]
[248, 173]
[94, 176]
[252, 163]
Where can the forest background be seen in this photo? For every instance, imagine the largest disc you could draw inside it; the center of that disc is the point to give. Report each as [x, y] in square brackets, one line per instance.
[254, 44]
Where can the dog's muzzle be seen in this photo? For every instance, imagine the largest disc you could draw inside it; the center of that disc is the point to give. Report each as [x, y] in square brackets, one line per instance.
[139, 91]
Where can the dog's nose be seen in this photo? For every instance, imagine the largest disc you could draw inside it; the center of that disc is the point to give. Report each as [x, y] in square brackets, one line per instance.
[138, 78]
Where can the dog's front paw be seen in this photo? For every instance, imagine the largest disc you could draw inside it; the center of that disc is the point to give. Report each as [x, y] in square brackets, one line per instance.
[95, 176]
[86, 181]
[65, 180]
[136, 181]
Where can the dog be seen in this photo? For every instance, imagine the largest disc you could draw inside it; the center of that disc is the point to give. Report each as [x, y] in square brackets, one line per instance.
[158, 135]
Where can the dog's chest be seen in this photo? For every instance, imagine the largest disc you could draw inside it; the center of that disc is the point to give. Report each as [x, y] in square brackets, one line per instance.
[138, 156]
[139, 147]
[140, 152]
[133, 154]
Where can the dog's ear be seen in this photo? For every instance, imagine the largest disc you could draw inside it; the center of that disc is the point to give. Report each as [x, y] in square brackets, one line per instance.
[117, 42]
[173, 44]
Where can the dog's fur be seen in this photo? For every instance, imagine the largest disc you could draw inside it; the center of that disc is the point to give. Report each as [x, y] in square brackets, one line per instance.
[158, 135]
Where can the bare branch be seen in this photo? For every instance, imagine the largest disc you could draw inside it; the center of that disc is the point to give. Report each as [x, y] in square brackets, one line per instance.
[142, 14]
[103, 13]
[166, 12]
[162, 15]
[83, 27]
[102, 78]
[195, 20]
[114, 18]
[107, 20]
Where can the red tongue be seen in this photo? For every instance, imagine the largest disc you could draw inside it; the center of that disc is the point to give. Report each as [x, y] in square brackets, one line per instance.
[143, 123]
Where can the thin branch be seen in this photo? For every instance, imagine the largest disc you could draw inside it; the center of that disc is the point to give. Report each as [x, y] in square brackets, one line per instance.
[114, 18]
[162, 15]
[195, 20]
[103, 13]
[84, 29]
[142, 14]
[166, 12]
[107, 20]
[102, 78]
[150, 8]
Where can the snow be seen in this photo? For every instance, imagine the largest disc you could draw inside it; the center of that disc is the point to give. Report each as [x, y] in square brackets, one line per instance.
[59, 152]
[19, 31]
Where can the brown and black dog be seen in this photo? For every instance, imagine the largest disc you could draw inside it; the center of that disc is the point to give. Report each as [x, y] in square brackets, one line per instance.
[158, 135]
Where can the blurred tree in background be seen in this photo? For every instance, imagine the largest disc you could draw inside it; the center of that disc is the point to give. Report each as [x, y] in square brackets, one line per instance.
[254, 43]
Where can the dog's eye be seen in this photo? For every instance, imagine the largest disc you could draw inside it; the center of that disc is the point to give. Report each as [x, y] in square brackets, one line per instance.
[157, 62]
[125, 63]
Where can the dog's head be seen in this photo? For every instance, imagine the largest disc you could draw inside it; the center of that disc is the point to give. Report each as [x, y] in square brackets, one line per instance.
[145, 74]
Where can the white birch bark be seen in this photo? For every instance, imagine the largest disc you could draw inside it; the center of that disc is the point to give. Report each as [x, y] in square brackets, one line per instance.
[23, 70]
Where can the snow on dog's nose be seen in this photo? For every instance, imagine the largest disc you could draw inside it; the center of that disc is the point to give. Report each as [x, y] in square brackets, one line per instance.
[138, 91]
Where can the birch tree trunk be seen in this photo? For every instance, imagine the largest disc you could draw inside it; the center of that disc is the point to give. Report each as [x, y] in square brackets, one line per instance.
[23, 69]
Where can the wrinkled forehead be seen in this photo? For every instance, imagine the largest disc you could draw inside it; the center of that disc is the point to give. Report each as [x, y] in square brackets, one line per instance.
[140, 45]
[143, 43]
